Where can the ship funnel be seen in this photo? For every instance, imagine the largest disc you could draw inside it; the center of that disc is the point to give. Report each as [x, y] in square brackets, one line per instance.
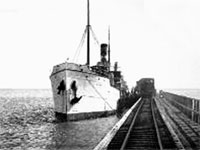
[104, 50]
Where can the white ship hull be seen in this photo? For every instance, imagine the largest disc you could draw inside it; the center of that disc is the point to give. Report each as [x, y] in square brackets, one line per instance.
[93, 93]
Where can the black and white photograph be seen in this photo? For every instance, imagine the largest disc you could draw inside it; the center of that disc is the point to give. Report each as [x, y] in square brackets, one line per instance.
[99, 75]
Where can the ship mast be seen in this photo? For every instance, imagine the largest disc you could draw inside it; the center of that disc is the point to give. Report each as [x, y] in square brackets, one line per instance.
[109, 47]
[88, 33]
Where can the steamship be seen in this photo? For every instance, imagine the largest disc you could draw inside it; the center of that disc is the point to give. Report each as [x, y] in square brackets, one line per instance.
[81, 91]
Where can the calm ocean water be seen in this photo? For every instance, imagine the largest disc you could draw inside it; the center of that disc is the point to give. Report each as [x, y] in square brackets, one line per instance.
[27, 122]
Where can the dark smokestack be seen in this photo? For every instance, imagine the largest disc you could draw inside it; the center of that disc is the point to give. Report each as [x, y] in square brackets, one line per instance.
[104, 50]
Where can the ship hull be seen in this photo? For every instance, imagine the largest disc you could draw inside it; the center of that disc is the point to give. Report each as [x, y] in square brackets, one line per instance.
[79, 93]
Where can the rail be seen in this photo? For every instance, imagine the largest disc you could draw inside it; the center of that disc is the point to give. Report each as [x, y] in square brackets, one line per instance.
[156, 126]
[145, 130]
[185, 107]
[130, 128]
[134, 121]
[103, 144]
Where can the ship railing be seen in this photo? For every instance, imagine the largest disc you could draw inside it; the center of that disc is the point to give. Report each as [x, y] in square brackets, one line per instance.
[100, 70]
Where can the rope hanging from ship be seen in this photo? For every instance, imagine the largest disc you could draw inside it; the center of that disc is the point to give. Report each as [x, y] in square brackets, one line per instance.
[94, 36]
[99, 94]
[80, 46]
[78, 50]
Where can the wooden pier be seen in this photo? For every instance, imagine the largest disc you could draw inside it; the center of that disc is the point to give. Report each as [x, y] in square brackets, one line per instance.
[155, 123]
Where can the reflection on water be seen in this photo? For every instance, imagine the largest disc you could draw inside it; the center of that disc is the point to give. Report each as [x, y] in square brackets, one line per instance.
[27, 122]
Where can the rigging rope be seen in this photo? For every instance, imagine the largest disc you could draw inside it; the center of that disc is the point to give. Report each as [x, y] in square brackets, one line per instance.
[77, 53]
[99, 94]
[94, 36]
[80, 46]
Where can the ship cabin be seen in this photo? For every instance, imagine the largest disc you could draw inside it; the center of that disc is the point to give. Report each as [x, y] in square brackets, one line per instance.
[103, 69]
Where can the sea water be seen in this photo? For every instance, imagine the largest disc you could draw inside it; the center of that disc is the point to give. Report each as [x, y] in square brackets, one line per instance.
[27, 122]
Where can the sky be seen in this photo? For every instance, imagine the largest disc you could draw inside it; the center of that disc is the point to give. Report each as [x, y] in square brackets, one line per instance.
[157, 38]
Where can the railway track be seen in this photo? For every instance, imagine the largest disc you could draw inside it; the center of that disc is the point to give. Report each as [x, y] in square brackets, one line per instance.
[188, 129]
[143, 129]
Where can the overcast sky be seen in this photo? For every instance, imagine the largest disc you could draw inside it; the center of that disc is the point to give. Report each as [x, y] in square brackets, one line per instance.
[159, 39]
